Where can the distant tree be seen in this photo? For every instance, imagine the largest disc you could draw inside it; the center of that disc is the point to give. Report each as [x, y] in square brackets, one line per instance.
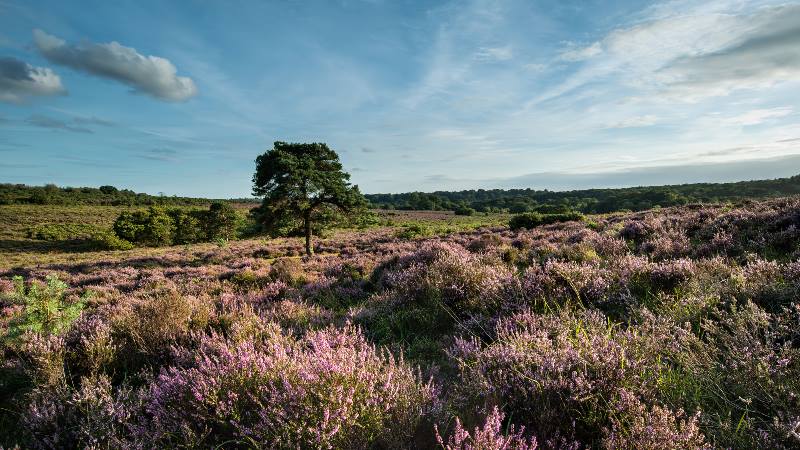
[305, 183]
[108, 189]
[221, 221]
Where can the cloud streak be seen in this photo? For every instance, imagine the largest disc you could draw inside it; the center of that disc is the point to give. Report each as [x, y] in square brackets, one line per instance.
[151, 75]
[38, 120]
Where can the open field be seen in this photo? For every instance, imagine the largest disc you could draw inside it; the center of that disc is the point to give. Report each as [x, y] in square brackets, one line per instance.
[19, 249]
[673, 328]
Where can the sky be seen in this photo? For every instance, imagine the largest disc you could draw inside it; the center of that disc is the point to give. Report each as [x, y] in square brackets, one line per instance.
[180, 97]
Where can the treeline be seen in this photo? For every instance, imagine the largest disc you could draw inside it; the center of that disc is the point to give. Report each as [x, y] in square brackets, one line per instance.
[16, 194]
[586, 201]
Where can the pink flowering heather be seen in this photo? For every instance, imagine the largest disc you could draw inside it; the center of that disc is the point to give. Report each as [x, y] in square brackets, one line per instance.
[330, 389]
[488, 437]
[669, 328]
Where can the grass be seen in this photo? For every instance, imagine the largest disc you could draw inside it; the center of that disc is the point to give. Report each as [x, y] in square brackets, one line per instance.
[64, 225]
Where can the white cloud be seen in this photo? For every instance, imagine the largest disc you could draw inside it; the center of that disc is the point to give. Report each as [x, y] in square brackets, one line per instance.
[581, 54]
[494, 53]
[635, 122]
[151, 75]
[19, 80]
[693, 53]
[766, 53]
[757, 116]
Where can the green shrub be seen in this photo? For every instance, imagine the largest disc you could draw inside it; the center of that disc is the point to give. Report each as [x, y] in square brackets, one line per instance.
[61, 231]
[47, 310]
[464, 211]
[410, 231]
[105, 240]
[221, 221]
[157, 226]
[188, 226]
[533, 220]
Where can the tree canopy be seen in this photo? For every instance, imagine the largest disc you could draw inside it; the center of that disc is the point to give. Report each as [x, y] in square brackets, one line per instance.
[303, 186]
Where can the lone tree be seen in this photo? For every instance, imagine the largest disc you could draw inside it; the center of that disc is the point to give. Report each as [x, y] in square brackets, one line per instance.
[303, 184]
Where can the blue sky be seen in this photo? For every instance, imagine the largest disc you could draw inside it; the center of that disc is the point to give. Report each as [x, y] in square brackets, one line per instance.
[180, 97]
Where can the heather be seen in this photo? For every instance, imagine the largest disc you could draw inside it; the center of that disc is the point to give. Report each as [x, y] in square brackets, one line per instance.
[668, 328]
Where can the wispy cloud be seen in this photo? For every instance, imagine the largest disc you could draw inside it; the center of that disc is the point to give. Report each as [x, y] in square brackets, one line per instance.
[38, 120]
[494, 53]
[758, 116]
[581, 53]
[160, 154]
[636, 122]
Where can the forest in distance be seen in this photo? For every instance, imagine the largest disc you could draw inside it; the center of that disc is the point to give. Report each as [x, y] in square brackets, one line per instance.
[588, 201]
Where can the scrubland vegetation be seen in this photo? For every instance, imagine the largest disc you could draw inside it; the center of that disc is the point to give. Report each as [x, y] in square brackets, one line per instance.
[671, 328]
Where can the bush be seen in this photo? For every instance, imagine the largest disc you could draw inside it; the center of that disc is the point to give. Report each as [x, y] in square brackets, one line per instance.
[490, 436]
[464, 211]
[533, 220]
[46, 308]
[330, 389]
[157, 226]
[152, 227]
[187, 226]
[413, 230]
[109, 241]
[221, 221]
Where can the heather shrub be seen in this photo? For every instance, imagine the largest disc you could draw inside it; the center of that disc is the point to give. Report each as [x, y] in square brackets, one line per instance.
[748, 377]
[88, 416]
[488, 437]
[91, 346]
[250, 280]
[427, 295]
[330, 389]
[146, 328]
[551, 371]
[287, 270]
[298, 316]
[638, 427]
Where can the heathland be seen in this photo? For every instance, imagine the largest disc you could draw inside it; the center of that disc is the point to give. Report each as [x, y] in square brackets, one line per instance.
[673, 327]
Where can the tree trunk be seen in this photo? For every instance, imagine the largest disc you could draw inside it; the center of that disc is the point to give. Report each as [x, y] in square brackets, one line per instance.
[307, 220]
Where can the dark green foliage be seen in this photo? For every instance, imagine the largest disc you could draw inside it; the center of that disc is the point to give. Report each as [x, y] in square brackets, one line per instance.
[303, 183]
[188, 226]
[534, 219]
[413, 230]
[157, 226]
[463, 210]
[152, 227]
[221, 221]
[105, 240]
[589, 200]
